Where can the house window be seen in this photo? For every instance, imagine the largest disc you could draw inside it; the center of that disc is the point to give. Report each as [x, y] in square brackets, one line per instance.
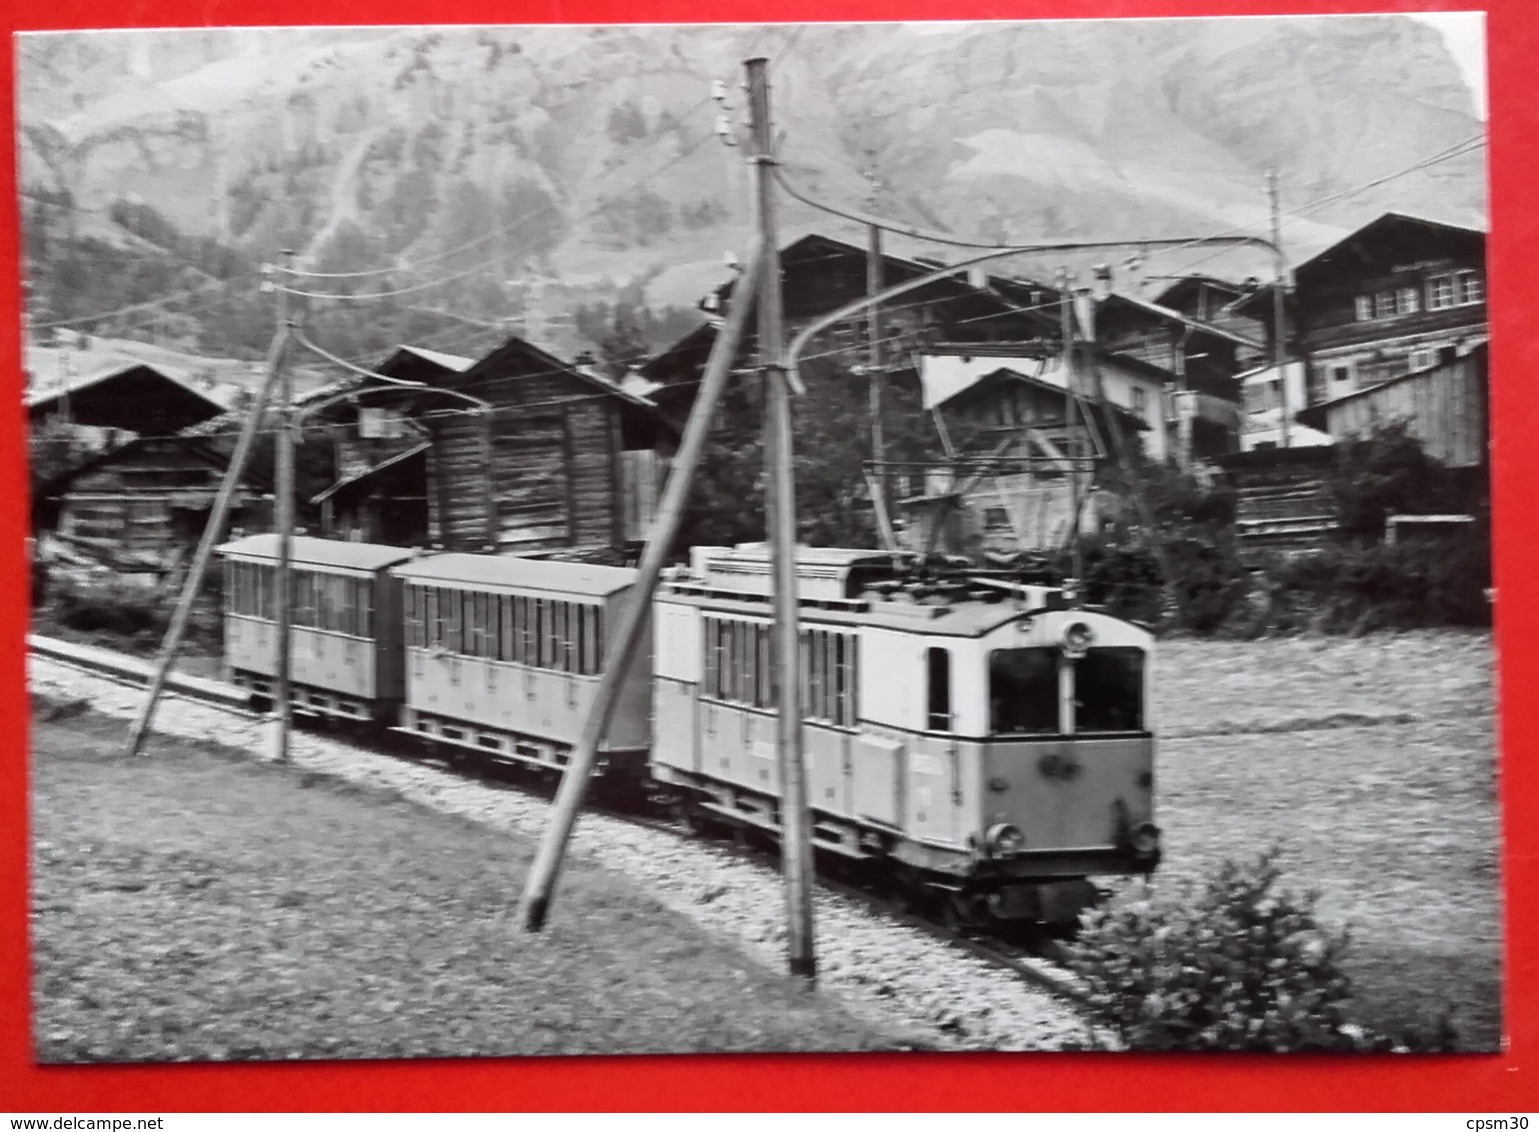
[1455, 289]
[1384, 305]
[1423, 358]
[1409, 300]
[1341, 374]
[1364, 306]
[1140, 402]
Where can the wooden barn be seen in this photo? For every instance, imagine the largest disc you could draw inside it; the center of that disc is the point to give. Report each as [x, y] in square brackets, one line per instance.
[141, 508]
[380, 493]
[555, 457]
[1443, 406]
[1283, 501]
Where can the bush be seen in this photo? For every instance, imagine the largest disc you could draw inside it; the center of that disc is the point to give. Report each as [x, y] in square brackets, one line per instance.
[114, 607]
[1427, 584]
[1231, 964]
[122, 614]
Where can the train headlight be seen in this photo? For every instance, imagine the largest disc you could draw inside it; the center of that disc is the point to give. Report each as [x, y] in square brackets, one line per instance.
[1077, 638]
[1145, 839]
[1004, 840]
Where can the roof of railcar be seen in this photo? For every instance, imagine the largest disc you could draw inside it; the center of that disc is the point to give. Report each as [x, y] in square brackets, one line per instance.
[525, 573]
[971, 618]
[320, 552]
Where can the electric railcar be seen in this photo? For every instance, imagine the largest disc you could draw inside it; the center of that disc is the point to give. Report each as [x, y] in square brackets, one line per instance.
[985, 744]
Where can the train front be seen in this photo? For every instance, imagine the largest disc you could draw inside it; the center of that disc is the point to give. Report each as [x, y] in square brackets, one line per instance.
[1063, 782]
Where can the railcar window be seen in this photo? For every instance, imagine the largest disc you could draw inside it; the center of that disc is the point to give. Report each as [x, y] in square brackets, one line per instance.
[1109, 690]
[564, 634]
[304, 607]
[762, 692]
[485, 625]
[938, 666]
[600, 645]
[712, 657]
[366, 604]
[435, 619]
[1023, 692]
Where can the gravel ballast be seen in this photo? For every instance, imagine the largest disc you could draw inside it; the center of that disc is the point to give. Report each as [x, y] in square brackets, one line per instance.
[885, 971]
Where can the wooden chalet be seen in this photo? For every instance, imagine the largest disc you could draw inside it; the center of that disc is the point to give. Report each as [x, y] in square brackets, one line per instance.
[380, 494]
[1387, 300]
[141, 508]
[820, 274]
[1010, 485]
[1200, 409]
[118, 396]
[528, 453]
[1208, 299]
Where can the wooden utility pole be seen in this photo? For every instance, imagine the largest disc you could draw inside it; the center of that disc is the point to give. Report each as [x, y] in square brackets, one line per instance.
[211, 534]
[621, 649]
[1278, 354]
[785, 651]
[283, 517]
[1072, 441]
[874, 372]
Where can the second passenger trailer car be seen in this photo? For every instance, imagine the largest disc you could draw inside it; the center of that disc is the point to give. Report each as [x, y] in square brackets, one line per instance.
[503, 656]
[346, 646]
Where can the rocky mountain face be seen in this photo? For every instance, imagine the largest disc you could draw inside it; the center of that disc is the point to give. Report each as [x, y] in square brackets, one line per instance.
[524, 171]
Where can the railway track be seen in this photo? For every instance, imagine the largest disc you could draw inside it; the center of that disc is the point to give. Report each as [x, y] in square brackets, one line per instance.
[1037, 969]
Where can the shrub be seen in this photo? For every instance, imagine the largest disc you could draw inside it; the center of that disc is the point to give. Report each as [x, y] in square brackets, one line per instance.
[1233, 963]
[117, 608]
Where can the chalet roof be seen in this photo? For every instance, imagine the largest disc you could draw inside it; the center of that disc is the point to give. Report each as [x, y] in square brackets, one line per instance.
[553, 364]
[1315, 416]
[1169, 314]
[124, 394]
[447, 361]
[1341, 256]
[579, 579]
[318, 552]
[1384, 225]
[940, 388]
[1006, 374]
[372, 470]
[1187, 282]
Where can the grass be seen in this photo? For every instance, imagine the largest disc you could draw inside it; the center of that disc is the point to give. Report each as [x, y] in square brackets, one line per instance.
[1372, 761]
[189, 905]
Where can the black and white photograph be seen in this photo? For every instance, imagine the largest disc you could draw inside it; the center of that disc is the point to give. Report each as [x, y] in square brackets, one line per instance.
[760, 538]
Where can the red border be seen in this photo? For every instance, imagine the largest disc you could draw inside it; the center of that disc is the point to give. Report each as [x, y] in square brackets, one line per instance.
[1065, 1082]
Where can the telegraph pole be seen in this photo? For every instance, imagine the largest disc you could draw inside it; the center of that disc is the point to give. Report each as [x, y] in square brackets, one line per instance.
[1278, 356]
[874, 373]
[211, 534]
[634, 610]
[785, 651]
[1071, 440]
[283, 516]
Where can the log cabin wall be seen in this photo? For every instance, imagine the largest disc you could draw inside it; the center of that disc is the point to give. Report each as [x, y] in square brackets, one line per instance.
[145, 504]
[542, 469]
